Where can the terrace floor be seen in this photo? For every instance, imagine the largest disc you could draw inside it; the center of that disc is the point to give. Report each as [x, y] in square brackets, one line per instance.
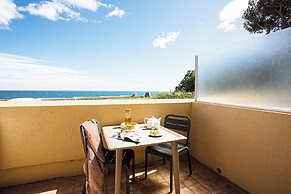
[202, 180]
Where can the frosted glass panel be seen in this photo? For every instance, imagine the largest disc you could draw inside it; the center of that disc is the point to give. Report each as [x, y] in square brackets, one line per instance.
[254, 73]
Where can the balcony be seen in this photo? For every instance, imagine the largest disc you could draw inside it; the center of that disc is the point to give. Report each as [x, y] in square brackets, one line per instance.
[241, 128]
[232, 148]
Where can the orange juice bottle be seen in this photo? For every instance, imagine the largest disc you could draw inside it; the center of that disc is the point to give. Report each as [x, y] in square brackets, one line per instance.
[128, 118]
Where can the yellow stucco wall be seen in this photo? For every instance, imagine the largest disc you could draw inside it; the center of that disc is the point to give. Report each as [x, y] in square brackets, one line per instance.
[251, 147]
[41, 140]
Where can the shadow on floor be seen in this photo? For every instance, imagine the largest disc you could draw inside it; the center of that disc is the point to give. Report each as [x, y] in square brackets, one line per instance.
[203, 180]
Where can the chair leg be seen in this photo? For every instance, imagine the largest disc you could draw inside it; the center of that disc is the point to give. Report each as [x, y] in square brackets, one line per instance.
[146, 164]
[133, 168]
[84, 188]
[164, 161]
[171, 176]
[189, 162]
[127, 180]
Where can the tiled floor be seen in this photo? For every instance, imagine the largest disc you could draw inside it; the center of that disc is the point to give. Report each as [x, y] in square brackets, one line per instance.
[202, 180]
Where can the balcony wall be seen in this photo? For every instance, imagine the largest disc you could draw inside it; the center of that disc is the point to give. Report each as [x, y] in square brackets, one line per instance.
[41, 140]
[252, 148]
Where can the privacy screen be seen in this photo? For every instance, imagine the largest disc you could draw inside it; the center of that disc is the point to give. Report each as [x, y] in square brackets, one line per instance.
[254, 73]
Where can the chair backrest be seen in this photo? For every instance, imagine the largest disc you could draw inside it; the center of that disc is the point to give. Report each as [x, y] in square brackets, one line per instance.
[84, 137]
[179, 123]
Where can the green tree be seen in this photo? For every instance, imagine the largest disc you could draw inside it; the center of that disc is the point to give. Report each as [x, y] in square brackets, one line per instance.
[188, 82]
[267, 15]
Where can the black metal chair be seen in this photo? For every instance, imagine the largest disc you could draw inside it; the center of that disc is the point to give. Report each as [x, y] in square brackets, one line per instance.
[178, 123]
[127, 157]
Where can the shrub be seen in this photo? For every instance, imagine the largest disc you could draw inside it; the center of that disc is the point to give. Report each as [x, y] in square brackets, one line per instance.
[172, 95]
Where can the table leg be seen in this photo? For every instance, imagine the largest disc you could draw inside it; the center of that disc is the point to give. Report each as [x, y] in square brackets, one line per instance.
[175, 157]
[118, 168]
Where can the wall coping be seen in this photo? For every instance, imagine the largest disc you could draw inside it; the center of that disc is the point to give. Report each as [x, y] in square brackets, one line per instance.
[91, 102]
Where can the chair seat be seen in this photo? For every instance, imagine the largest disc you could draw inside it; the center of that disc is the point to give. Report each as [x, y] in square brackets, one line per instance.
[165, 149]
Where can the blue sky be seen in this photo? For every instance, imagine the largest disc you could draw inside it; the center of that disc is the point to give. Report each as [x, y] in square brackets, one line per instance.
[110, 45]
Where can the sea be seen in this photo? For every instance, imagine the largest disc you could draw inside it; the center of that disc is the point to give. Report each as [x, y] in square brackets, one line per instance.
[38, 94]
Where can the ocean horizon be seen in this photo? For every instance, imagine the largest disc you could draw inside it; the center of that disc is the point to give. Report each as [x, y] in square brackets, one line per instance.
[36, 94]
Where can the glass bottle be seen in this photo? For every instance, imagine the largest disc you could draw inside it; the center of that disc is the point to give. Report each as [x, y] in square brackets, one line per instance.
[128, 118]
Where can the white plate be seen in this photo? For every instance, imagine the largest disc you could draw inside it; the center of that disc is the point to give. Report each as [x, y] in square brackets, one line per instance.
[151, 135]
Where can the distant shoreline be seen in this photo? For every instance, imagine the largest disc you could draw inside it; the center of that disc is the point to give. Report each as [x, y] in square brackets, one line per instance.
[47, 95]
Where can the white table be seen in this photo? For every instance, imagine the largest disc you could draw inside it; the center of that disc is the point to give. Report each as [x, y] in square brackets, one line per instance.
[119, 145]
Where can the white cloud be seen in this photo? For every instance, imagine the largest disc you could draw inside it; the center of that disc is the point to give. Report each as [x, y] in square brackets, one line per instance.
[54, 10]
[116, 12]
[231, 13]
[51, 10]
[8, 12]
[91, 5]
[19, 72]
[165, 38]
[105, 5]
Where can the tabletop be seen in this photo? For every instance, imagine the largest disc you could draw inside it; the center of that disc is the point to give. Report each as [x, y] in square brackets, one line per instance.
[115, 144]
